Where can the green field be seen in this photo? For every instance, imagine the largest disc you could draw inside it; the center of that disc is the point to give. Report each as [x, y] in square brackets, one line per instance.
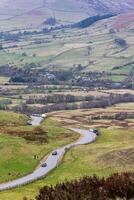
[17, 153]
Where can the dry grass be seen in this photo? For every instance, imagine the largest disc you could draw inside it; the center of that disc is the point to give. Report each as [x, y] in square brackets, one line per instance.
[82, 118]
[120, 91]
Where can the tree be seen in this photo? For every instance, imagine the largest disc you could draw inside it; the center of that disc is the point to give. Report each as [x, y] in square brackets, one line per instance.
[121, 42]
[24, 54]
[89, 49]
[1, 47]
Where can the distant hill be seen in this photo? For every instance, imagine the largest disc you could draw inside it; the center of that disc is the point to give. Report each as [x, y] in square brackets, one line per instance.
[104, 6]
[67, 11]
[125, 21]
[99, 6]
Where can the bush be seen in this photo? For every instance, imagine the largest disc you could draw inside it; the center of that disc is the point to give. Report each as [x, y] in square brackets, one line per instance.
[91, 188]
[120, 185]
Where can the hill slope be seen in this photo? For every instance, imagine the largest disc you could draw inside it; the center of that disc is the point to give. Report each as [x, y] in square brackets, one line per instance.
[33, 12]
[99, 6]
[102, 6]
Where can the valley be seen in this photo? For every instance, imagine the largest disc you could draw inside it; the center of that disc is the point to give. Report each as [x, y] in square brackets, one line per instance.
[72, 61]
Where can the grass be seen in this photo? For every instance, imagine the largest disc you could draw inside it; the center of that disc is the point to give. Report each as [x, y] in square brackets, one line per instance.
[3, 79]
[89, 159]
[126, 105]
[11, 118]
[103, 157]
[84, 118]
[117, 78]
[17, 153]
[16, 157]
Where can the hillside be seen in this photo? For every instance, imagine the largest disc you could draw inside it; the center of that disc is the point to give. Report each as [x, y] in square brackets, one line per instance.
[32, 13]
[124, 21]
[118, 6]
[105, 46]
[72, 5]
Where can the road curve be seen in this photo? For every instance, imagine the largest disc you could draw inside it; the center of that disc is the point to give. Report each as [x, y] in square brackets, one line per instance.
[52, 161]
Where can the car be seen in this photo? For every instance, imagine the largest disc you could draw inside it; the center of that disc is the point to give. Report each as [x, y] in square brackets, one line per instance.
[54, 153]
[66, 148]
[44, 165]
[96, 131]
[29, 123]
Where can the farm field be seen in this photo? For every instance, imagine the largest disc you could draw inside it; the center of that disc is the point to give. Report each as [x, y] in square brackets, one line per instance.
[62, 50]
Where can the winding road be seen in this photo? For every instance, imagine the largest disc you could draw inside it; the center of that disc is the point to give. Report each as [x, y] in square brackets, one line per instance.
[52, 161]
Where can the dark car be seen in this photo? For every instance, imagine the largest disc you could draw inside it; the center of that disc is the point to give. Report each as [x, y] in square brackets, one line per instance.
[66, 148]
[44, 165]
[96, 131]
[54, 153]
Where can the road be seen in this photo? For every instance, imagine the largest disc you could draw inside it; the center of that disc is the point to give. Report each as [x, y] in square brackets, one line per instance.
[36, 120]
[52, 161]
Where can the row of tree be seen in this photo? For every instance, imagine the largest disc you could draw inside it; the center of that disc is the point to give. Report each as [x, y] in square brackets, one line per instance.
[115, 116]
[58, 98]
[90, 20]
[96, 103]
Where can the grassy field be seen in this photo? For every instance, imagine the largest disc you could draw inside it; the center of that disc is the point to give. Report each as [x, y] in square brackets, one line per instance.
[17, 154]
[112, 152]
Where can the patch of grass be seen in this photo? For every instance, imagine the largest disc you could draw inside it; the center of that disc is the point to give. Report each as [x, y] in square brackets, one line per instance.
[117, 78]
[11, 118]
[126, 106]
[3, 79]
[16, 157]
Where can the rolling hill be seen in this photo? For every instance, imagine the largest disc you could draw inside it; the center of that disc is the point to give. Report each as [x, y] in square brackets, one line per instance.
[31, 13]
[99, 6]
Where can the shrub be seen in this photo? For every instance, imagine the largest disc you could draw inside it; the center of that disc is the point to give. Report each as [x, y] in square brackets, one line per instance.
[91, 188]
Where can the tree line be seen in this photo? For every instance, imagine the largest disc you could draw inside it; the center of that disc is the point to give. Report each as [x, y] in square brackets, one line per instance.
[58, 98]
[102, 102]
[91, 20]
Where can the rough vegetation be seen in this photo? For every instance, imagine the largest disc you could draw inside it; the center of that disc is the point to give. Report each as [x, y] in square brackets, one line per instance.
[92, 188]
